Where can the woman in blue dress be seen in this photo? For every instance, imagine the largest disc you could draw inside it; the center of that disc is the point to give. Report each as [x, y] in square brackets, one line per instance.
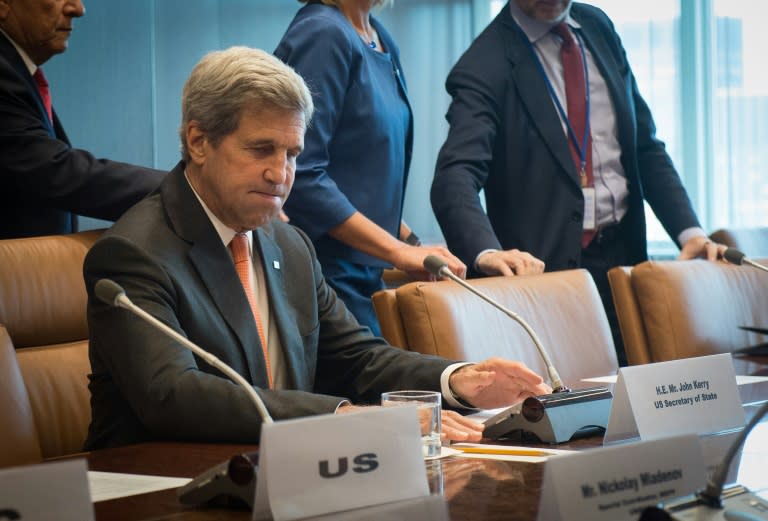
[351, 176]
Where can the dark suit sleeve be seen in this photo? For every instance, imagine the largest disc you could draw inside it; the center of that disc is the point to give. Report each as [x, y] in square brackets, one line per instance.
[464, 161]
[39, 170]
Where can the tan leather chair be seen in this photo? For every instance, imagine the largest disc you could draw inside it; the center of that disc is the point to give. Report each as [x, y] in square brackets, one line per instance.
[394, 278]
[564, 308]
[669, 310]
[19, 442]
[752, 241]
[43, 308]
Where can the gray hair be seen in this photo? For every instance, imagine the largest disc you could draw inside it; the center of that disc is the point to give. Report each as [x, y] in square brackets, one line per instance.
[224, 83]
[337, 3]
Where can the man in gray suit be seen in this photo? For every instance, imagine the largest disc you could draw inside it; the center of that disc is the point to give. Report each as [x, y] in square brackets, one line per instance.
[244, 117]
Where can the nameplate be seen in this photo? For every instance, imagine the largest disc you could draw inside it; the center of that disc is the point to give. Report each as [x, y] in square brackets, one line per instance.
[693, 395]
[46, 491]
[332, 463]
[616, 483]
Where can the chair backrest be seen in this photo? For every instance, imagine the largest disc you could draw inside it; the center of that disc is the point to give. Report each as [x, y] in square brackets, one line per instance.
[628, 314]
[19, 442]
[752, 241]
[688, 308]
[563, 308]
[43, 307]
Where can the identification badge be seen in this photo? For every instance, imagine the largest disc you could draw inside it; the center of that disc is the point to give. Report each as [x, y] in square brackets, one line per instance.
[589, 207]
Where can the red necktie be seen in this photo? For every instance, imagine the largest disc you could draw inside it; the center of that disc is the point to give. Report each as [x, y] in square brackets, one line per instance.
[576, 100]
[45, 93]
[242, 257]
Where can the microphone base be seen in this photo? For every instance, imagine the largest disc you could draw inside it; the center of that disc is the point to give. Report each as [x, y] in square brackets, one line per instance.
[738, 504]
[554, 418]
[230, 484]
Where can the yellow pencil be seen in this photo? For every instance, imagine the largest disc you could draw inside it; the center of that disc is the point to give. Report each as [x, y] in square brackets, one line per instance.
[502, 452]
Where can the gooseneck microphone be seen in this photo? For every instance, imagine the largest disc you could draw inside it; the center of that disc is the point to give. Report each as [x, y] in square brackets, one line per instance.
[715, 503]
[110, 292]
[735, 256]
[552, 418]
[438, 267]
[232, 482]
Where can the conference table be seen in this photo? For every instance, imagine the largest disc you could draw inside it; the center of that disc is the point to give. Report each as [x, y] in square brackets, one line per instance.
[474, 489]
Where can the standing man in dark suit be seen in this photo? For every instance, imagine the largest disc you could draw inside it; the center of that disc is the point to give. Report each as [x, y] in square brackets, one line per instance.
[205, 255]
[44, 182]
[565, 170]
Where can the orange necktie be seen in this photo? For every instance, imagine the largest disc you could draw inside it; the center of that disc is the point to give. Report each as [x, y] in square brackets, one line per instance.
[241, 254]
[45, 93]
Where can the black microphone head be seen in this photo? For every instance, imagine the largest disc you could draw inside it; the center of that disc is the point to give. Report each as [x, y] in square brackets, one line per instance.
[734, 256]
[435, 265]
[108, 291]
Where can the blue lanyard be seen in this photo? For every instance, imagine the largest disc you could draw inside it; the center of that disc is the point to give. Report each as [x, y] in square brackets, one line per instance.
[581, 149]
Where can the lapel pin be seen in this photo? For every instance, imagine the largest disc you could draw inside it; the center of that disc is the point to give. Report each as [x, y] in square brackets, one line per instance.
[276, 264]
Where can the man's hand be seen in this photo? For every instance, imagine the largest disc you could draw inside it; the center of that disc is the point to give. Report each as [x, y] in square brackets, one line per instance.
[702, 247]
[496, 383]
[454, 426]
[411, 260]
[509, 262]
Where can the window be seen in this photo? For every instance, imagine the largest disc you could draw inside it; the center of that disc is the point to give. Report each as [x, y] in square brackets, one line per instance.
[739, 186]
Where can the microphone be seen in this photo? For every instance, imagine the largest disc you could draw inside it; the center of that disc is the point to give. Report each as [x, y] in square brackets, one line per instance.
[232, 481]
[552, 418]
[735, 256]
[737, 503]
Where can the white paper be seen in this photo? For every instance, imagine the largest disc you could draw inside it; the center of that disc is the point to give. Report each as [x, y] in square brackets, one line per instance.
[617, 483]
[112, 485]
[331, 463]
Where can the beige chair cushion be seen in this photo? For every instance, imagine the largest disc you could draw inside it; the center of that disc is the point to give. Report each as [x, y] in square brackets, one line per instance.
[56, 378]
[19, 444]
[43, 307]
[694, 308]
[42, 294]
[628, 314]
[564, 309]
[388, 315]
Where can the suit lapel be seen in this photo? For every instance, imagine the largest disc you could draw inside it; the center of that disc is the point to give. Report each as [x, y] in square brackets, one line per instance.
[214, 266]
[534, 95]
[285, 319]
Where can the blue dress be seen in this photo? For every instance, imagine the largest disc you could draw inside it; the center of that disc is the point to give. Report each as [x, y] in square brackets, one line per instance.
[357, 148]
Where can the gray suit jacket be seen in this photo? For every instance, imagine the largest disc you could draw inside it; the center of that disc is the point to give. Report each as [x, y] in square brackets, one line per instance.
[169, 259]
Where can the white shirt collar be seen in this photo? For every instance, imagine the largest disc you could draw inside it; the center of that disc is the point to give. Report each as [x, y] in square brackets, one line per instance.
[225, 232]
[535, 29]
[24, 56]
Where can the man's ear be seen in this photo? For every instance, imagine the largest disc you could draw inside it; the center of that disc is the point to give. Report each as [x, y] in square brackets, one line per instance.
[197, 142]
